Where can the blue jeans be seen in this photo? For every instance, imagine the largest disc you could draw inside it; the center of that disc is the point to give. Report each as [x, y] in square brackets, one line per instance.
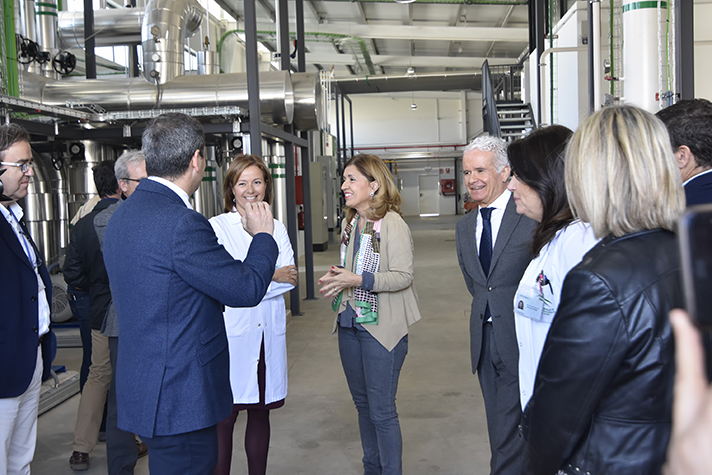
[372, 374]
[79, 303]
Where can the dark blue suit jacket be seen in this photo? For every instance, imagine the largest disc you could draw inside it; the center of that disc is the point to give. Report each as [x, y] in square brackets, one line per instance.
[19, 320]
[699, 190]
[169, 280]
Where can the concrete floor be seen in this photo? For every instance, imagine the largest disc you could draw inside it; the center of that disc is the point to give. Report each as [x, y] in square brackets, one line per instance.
[316, 432]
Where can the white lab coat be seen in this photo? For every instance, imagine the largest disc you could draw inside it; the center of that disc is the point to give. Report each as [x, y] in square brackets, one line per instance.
[555, 260]
[246, 326]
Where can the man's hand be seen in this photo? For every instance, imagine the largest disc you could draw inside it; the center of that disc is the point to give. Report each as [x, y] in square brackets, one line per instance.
[258, 218]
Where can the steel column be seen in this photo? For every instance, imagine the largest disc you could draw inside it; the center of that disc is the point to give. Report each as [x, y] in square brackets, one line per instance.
[685, 48]
[89, 39]
[253, 80]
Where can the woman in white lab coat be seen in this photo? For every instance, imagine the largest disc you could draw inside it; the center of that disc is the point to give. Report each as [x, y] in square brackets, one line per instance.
[558, 244]
[257, 335]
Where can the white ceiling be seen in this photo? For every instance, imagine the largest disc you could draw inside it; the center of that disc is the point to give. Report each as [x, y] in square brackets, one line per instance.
[450, 36]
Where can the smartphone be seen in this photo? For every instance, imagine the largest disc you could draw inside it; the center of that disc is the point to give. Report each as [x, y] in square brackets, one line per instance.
[696, 251]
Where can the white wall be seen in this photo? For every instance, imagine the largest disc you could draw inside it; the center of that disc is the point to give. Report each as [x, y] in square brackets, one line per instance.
[703, 51]
[382, 120]
[409, 172]
[385, 125]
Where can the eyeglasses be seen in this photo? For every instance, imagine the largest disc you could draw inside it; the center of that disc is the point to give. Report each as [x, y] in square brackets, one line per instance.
[23, 166]
[131, 179]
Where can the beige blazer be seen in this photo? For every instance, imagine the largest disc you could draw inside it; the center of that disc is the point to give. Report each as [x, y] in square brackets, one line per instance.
[397, 299]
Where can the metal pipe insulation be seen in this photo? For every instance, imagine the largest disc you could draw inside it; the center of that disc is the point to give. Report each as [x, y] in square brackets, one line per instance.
[166, 25]
[276, 94]
[115, 27]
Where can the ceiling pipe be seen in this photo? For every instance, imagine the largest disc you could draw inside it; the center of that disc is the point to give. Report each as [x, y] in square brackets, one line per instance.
[112, 27]
[422, 82]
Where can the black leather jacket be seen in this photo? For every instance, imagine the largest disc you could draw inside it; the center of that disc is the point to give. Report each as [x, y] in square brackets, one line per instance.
[603, 393]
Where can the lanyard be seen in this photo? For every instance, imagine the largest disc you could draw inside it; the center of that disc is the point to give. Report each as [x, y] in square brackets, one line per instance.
[29, 252]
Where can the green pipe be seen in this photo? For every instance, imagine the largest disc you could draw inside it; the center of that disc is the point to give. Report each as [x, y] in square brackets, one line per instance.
[610, 44]
[667, 49]
[13, 88]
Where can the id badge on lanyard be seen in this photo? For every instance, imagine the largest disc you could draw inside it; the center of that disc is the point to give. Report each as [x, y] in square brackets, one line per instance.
[529, 303]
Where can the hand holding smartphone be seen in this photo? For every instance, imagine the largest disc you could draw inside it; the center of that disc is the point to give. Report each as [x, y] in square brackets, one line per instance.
[696, 251]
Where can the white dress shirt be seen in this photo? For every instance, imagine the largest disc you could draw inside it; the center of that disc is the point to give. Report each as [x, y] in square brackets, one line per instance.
[13, 215]
[554, 261]
[175, 188]
[247, 326]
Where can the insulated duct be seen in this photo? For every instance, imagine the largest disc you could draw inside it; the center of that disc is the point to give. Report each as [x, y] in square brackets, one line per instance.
[166, 26]
[277, 101]
[114, 27]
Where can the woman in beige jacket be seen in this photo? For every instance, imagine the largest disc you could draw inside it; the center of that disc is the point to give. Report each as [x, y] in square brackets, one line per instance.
[375, 301]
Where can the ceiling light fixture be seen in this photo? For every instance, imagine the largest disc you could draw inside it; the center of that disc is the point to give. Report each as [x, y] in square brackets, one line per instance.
[413, 106]
[404, 1]
[411, 72]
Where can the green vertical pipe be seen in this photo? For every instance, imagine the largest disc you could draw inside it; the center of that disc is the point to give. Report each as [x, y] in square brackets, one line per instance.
[610, 41]
[13, 88]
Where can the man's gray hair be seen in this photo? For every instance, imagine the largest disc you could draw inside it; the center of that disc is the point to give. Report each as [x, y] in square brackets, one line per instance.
[488, 143]
[129, 157]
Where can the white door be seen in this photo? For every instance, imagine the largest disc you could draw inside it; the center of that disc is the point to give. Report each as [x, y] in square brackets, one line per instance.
[429, 195]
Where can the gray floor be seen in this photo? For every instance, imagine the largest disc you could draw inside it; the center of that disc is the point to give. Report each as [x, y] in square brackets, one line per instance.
[439, 401]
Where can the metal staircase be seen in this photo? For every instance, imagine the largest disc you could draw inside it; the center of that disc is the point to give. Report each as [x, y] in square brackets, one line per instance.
[515, 119]
[502, 114]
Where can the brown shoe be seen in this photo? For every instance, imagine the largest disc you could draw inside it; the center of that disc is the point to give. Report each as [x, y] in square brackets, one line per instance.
[141, 448]
[79, 461]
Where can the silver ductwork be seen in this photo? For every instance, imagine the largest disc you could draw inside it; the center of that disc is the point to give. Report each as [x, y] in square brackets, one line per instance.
[308, 108]
[46, 209]
[47, 34]
[276, 97]
[115, 27]
[166, 26]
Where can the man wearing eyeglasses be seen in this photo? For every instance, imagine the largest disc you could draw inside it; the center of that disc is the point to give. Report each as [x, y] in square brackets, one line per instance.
[25, 293]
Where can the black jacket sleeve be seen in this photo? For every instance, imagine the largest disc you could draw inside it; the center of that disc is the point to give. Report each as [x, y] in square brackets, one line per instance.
[584, 349]
[74, 273]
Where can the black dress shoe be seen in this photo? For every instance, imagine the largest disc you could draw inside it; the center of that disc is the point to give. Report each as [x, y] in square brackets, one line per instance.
[79, 461]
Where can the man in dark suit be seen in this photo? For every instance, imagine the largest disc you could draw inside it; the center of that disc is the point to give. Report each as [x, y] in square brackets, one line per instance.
[169, 279]
[689, 123]
[25, 296]
[493, 251]
[84, 269]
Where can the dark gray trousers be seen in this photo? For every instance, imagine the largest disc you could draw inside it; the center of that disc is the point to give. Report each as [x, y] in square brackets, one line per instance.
[500, 390]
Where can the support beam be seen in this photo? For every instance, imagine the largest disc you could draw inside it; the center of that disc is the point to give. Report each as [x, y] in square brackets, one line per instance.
[685, 49]
[253, 80]
[445, 33]
[458, 62]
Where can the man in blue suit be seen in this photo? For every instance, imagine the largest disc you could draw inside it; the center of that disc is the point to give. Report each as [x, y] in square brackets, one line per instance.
[170, 279]
[689, 123]
[25, 294]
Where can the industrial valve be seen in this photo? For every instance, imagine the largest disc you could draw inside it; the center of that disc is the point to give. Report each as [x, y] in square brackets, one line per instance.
[28, 50]
[64, 62]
